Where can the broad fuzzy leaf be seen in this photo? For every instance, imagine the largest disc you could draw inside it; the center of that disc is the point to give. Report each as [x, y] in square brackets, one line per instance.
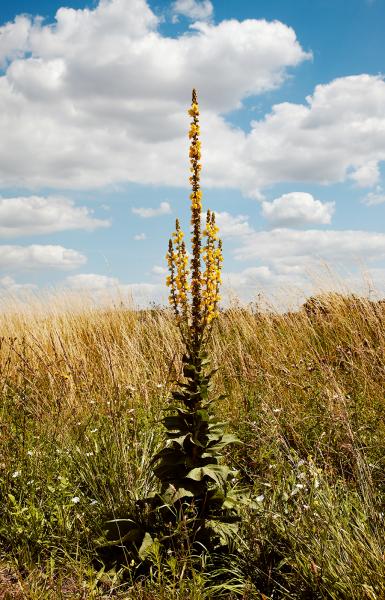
[217, 473]
[146, 546]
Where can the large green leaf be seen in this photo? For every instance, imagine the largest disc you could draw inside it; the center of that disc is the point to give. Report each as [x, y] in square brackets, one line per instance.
[217, 473]
[226, 532]
[169, 472]
[176, 423]
[175, 493]
[170, 453]
[222, 442]
[120, 531]
[146, 546]
[180, 439]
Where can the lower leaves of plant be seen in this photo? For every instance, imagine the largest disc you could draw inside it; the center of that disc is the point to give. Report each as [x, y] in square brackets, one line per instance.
[198, 508]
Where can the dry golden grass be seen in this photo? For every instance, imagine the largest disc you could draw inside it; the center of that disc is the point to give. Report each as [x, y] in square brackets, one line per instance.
[68, 359]
[307, 385]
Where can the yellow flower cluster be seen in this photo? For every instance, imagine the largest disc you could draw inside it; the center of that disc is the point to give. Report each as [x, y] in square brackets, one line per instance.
[178, 267]
[212, 256]
[170, 281]
[194, 109]
[195, 150]
[182, 270]
[196, 202]
[195, 304]
[194, 130]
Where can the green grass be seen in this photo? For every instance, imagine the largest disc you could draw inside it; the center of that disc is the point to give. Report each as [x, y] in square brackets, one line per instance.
[81, 395]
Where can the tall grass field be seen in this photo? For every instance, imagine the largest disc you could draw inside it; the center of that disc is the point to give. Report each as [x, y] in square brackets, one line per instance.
[82, 396]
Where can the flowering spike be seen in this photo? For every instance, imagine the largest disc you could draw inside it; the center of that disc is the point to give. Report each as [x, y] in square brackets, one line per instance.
[196, 209]
[195, 303]
[170, 257]
[181, 271]
[212, 257]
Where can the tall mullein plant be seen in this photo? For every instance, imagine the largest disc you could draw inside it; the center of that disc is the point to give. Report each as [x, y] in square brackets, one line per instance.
[198, 505]
[190, 465]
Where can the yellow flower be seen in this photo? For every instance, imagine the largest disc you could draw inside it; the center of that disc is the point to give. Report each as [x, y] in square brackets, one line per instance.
[194, 110]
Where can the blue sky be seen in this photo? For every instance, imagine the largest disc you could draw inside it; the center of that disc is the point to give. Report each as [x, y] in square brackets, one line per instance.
[93, 103]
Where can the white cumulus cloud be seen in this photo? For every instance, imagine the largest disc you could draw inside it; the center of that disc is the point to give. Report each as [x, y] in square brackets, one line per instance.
[248, 277]
[39, 257]
[33, 215]
[146, 213]
[295, 247]
[297, 208]
[91, 281]
[366, 175]
[104, 288]
[159, 270]
[8, 284]
[100, 95]
[232, 225]
[14, 39]
[284, 258]
[193, 9]
[338, 135]
[374, 198]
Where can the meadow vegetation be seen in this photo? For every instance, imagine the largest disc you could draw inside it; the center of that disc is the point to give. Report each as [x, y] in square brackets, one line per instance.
[82, 394]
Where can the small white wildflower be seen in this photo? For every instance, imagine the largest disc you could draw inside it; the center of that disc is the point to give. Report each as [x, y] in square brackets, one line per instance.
[159, 385]
[30, 481]
[75, 499]
[260, 498]
[92, 401]
[79, 423]
[89, 453]
[16, 474]
[305, 506]
[300, 486]
[94, 430]
[30, 452]
[93, 502]
[316, 483]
